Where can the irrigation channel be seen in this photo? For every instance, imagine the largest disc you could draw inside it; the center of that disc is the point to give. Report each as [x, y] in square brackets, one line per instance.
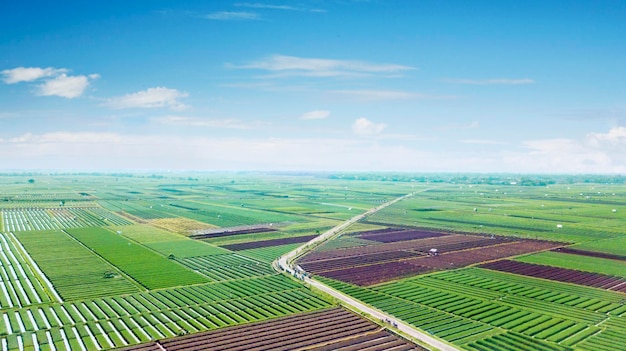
[286, 263]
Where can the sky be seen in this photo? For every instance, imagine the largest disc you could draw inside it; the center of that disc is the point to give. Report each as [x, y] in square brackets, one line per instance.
[335, 85]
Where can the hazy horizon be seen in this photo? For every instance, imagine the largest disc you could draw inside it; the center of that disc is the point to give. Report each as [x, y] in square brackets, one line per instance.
[317, 86]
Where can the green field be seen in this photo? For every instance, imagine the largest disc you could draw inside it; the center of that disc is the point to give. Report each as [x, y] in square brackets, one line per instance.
[116, 250]
[151, 270]
[578, 262]
[75, 271]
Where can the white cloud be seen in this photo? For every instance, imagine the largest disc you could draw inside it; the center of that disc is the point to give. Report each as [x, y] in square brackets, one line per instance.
[615, 137]
[276, 7]
[363, 126]
[595, 153]
[481, 142]
[29, 74]
[317, 114]
[460, 126]
[496, 81]
[108, 151]
[66, 138]
[316, 67]
[56, 82]
[65, 86]
[232, 15]
[111, 151]
[150, 98]
[208, 122]
[380, 95]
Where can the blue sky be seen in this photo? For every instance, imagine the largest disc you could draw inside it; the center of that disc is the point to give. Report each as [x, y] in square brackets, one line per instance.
[423, 86]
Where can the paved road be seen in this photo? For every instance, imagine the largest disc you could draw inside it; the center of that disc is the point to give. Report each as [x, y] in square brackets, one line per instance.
[285, 263]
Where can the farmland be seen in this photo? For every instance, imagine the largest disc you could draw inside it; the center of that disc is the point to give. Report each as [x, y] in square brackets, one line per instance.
[118, 261]
[324, 330]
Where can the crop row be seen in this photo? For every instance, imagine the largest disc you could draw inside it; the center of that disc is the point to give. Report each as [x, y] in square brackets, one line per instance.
[333, 329]
[566, 275]
[390, 235]
[512, 298]
[268, 254]
[136, 209]
[546, 324]
[447, 326]
[348, 262]
[227, 267]
[144, 265]
[269, 243]
[18, 285]
[511, 341]
[415, 245]
[25, 219]
[74, 270]
[131, 319]
[545, 290]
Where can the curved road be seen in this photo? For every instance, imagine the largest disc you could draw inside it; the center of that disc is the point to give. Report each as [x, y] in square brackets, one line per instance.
[285, 263]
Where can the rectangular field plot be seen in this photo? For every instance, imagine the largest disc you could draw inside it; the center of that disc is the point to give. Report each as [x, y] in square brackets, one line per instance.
[19, 285]
[186, 248]
[402, 253]
[268, 254]
[334, 329]
[565, 275]
[27, 219]
[470, 306]
[578, 262]
[269, 243]
[146, 267]
[121, 321]
[227, 267]
[74, 271]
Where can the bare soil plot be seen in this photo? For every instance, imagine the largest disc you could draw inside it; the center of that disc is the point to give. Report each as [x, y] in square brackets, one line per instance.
[334, 329]
[268, 243]
[463, 258]
[565, 275]
[230, 231]
[391, 235]
[378, 263]
[422, 245]
[590, 253]
[375, 274]
[316, 267]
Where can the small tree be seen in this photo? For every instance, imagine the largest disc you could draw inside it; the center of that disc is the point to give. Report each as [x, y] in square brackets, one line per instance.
[31, 181]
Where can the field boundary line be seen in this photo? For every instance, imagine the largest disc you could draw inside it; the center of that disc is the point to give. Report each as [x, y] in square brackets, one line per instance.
[26, 256]
[284, 264]
[116, 268]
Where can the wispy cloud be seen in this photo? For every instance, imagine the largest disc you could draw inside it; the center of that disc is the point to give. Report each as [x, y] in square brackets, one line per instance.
[496, 81]
[208, 122]
[595, 153]
[481, 142]
[277, 7]
[460, 126]
[232, 16]
[378, 95]
[316, 67]
[317, 114]
[66, 86]
[615, 136]
[150, 98]
[363, 126]
[29, 74]
[56, 82]
[66, 138]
